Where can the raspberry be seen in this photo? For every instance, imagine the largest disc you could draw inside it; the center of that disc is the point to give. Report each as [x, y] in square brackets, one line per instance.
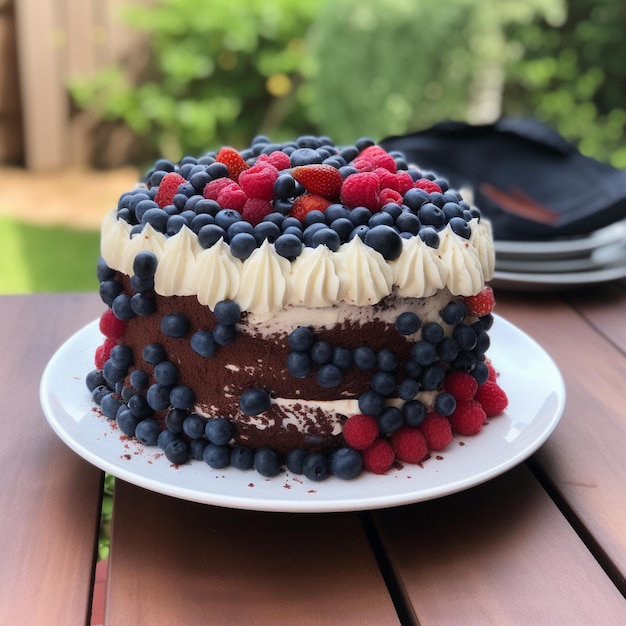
[482, 303]
[373, 157]
[409, 444]
[361, 189]
[168, 188]
[255, 209]
[278, 159]
[319, 179]
[231, 197]
[360, 431]
[427, 185]
[258, 181]
[468, 417]
[390, 195]
[103, 352]
[492, 398]
[461, 385]
[308, 202]
[379, 457]
[493, 375]
[213, 187]
[436, 430]
[111, 326]
[233, 161]
[403, 182]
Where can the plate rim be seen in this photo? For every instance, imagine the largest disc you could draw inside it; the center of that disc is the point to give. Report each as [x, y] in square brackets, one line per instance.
[411, 496]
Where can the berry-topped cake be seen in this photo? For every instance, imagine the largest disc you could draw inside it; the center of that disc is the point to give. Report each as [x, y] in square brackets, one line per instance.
[296, 305]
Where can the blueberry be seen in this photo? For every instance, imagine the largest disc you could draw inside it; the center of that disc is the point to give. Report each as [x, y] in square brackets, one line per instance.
[143, 305]
[448, 349]
[423, 352]
[342, 357]
[430, 214]
[315, 466]
[219, 430]
[329, 376]
[413, 413]
[266, 230]
[210, 234]
[122, 308]
[460, 227]
[202, 343]
[482, 343]
[175, 325]
[141, 285]
[216, 456]
[432, 332]
[453, 313]
[127, 422]
[309, 231]
[364, 358]
[299, 364]
[321, 352]
[305, 156]
[288, 246]
[266, 462]
[242, 458]
[177, 452]
[224, 334]
[206, 207]
[326, 237]
[295, 459]
[392, 209]
[371, 403]
[103, 271]
[464, 362]
[334, 212]
[99, 392]
[196, 449]
[110, 405]
[346, 463]
[254, 401]
[165, 437]
[242, 245]
[408, 323]
[437, 199]
[201, 220]
[415, 198]
[343, 227]
[445, 404]
[142, 207]
[359, 231]
[451, 210]
[147, 432]
[174, 420]
[217, 170]
[284, 187]
[111, 373]
[314, 217]
[480, 372]
[465, 336]
[432, 377]
[94, 379]
[383, 383]
[226, 217]
[487, 321]
[408, 222]
[174, 224]
[429, 236]
[199, 180]
[193, 426]
[363, 142]
[157, 218]
[386, 360]
[182, 397]
[121, 356]
[349, 153]
[301, 338]
[408, 389]
[390, 420]
[386, 240]
[153, 353]
[360, 216]
[227, 312]
[381, 219]
[158, 397]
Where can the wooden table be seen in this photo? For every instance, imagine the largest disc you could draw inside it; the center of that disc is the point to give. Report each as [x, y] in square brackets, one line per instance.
[544, 543]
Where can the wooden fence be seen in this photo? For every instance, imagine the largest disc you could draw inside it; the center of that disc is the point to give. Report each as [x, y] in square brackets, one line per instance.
[56, 39]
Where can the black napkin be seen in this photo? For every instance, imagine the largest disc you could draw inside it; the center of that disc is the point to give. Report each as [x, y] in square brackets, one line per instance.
[528, 180]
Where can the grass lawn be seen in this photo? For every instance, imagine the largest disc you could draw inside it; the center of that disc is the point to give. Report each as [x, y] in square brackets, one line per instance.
[36, 258]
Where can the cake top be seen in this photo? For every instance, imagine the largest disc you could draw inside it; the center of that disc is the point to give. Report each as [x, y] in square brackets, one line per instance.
[305, 223]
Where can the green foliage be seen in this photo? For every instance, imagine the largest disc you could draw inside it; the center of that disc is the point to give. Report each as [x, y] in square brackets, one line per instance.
[220, 73]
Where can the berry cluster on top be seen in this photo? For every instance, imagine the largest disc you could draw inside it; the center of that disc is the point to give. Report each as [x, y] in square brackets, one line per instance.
[308, 192]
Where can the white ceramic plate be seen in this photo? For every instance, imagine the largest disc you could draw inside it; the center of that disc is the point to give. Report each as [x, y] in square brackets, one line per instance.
[529, 376]
[562, 248]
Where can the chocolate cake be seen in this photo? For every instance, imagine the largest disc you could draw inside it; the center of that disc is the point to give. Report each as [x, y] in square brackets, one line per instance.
[298, 305]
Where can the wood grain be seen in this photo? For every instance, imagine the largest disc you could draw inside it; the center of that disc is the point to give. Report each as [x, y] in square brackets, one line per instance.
[50, 498]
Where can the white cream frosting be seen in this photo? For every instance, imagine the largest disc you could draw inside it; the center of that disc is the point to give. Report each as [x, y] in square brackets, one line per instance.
[265, 283]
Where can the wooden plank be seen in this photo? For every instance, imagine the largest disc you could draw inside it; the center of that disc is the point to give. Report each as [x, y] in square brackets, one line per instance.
[584, 458]
[500, 553]
[206, 565]
[44, 100]
[50, 498]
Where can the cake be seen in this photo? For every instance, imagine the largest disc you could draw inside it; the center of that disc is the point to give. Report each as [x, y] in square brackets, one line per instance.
[298, 306]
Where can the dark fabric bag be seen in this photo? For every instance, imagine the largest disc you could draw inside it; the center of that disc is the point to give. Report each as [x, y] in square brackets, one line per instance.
[527, 179]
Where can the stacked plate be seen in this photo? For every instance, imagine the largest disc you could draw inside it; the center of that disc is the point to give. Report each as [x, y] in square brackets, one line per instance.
[562, 263]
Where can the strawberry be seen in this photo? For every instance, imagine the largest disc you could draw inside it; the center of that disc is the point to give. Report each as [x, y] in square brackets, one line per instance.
[379, 457]
[409, 444]
[322, 180]
[436, 430]
[111, 326]
[427, 185]
[360, 431]
[168, 188]
[306, 203]
[233, 161]
[468, 417]
[372, 157]
[258, 181]
[255, 209]
[361, 189]
[103, 352]
[492, 398]
[461, 385]
[481, 303]
[231, 197]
